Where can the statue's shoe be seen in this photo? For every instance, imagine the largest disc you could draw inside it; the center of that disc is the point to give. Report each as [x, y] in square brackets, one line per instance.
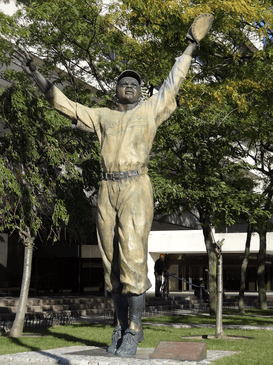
[116, 340]
[200, 27]
[129, 343]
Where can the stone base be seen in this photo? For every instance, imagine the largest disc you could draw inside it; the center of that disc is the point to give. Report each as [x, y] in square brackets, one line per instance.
[142, 353]
[168, 350]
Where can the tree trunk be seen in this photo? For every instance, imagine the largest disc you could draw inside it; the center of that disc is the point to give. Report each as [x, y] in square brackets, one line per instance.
[212, 263]
[219, 333]
[80, 288]
[243, 272]
[18, 324]
[261, 270]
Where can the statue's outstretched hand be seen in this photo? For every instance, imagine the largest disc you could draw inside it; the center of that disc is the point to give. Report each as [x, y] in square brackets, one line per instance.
[29, 67]
[26, 60]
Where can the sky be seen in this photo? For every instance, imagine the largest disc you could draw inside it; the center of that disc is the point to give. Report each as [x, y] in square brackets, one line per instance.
[8, 9]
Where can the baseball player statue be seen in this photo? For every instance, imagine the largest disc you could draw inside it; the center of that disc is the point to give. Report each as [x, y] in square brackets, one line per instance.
[125, 198]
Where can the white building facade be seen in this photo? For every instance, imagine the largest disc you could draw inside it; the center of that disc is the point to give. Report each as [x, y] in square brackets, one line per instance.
[187, 258]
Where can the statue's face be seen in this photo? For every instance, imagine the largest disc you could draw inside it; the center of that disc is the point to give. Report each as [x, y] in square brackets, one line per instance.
[128, 90]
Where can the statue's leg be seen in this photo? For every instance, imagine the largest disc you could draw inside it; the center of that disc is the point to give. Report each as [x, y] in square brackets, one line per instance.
[135, 217]
[134, 334]
[108, 243]
[107, 238]
[121, 309]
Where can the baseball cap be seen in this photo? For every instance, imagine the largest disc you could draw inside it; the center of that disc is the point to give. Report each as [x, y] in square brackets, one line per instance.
[131, 73]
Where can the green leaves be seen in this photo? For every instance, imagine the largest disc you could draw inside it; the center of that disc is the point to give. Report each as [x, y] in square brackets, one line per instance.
[42, 164]
[195, 166]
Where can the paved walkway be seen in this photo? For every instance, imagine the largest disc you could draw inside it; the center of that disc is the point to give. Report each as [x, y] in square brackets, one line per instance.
[89, 355]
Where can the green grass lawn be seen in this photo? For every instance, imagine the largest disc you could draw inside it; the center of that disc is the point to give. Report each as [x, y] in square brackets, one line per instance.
[252, 317]
[255, 349]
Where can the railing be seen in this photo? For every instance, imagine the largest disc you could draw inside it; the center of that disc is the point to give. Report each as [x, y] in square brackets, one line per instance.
[166, 279]
[42, 319]
[49, 319]
[226, 304]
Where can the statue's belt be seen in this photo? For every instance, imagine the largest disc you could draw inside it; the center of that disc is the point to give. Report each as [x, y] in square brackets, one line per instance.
[119, 175]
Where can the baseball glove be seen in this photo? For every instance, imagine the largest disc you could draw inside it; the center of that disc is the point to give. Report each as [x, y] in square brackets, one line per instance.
[200, 27]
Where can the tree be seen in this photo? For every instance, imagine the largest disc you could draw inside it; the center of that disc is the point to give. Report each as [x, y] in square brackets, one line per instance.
[187, 173]
[42, 184]
[256, 143]
[261, 157]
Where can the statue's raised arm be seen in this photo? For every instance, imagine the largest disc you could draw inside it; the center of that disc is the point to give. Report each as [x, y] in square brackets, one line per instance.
[29, 67]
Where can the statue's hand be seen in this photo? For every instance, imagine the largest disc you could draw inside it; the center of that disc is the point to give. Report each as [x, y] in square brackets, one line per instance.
[26, 61]
[28, 64]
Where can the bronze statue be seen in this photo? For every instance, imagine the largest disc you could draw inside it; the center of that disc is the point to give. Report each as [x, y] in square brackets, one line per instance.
[125, 199]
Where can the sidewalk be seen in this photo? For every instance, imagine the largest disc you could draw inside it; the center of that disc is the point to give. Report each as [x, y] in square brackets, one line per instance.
[89, 355]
